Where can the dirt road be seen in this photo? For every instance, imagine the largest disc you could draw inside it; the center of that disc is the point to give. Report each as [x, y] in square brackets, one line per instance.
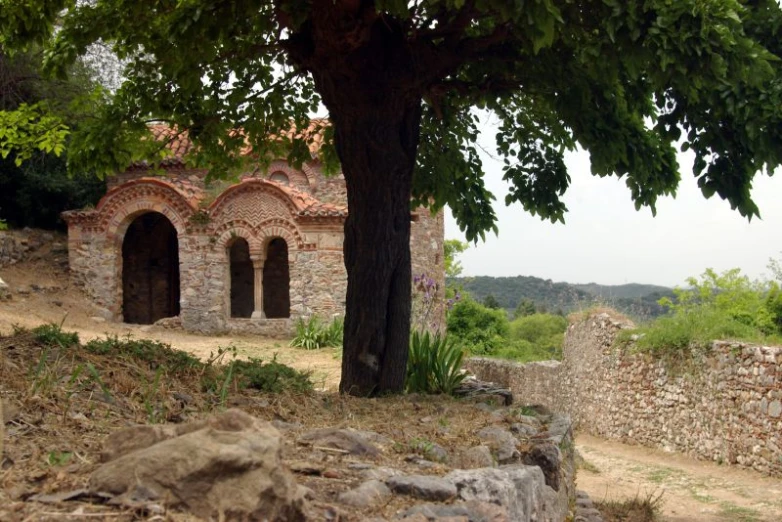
[692, 491]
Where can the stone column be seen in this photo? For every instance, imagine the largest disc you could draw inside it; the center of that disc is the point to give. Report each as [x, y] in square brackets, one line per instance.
[258, 263]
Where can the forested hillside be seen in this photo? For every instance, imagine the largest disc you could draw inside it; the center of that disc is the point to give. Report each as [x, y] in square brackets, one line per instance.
[636, 300]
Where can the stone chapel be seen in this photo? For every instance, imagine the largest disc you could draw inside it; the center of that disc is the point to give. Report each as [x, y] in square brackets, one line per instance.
[249, 256]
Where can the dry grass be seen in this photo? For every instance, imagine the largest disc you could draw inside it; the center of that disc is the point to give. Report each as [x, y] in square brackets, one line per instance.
[639, 509]
[62, 401]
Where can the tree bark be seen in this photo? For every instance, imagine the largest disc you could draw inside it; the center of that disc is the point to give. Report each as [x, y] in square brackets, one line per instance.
[377, 157]
[371, 85]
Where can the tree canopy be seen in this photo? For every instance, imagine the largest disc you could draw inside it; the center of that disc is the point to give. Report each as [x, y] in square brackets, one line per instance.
[404, 84]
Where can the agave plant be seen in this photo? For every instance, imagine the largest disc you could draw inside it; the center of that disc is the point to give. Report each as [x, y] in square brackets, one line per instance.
[434, 364]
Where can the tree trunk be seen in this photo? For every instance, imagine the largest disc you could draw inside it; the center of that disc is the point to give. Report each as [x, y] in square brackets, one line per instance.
[371, 85]
[377, 152]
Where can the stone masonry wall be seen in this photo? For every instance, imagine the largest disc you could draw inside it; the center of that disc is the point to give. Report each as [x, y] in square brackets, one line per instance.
[725, 405]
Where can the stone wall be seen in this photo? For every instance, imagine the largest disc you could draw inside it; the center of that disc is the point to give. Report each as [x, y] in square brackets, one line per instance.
[723, 405]
[30, 244]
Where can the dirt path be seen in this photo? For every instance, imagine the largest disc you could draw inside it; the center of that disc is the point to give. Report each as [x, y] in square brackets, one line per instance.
[47, 296]
[692, 491]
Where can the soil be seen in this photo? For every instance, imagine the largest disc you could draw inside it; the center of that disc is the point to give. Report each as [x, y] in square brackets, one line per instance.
[692, 491]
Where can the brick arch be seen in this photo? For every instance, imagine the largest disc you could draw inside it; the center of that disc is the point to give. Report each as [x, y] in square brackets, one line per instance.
[234, 229]
[297, 178]
[274, 228]
[122, 204]
[223, 210]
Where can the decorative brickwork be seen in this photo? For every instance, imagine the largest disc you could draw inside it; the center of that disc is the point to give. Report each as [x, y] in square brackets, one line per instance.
[291, 220]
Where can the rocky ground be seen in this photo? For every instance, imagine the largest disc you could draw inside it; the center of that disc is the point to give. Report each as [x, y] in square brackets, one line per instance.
[101, 436]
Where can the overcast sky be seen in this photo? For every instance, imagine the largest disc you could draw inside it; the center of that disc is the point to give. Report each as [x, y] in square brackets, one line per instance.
[605, 240]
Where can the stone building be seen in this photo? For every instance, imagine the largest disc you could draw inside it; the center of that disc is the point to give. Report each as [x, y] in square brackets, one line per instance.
[247, 256]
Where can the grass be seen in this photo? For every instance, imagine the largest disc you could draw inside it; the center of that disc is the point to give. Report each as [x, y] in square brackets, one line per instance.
[734, 513]
[646, 509]
[684, 332]
[660, 475]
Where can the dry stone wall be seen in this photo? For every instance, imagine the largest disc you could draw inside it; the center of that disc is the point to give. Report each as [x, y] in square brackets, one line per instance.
[723, 405]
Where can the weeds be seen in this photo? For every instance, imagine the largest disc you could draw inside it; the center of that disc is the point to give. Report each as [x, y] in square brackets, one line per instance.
[153, 353]
[272, 377]
[312, 334]
[52, 335]
[645, 509]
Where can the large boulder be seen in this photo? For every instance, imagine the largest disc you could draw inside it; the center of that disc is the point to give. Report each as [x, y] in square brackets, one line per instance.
[228, 468]
[519, 489]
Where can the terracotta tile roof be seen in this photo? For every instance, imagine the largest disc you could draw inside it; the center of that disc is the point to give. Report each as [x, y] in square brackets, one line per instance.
[306, 204]
[179, 141]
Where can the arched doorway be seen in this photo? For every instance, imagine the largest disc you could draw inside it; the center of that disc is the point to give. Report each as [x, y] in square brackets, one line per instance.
[242, 279]
[276, 280]
[150, 270]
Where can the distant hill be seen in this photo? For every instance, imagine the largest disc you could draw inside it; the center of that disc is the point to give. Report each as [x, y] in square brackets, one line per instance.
[629, 291]
[636, 300]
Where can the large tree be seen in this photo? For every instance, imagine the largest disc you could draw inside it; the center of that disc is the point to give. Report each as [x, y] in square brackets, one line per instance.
[405, 83]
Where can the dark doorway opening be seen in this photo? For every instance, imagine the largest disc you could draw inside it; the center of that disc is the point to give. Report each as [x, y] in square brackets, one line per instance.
[242, 279]
[276, 280]
[150, 270]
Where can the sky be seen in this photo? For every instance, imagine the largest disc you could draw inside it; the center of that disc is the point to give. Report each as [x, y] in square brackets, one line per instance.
[605, 240]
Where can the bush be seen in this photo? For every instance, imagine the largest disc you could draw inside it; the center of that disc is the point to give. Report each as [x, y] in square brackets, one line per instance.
[153, 353]
[53, 336]
[272, 377]
[477, 328]
[312, 334]
[434, 364]
[546, 330]
[726, 306]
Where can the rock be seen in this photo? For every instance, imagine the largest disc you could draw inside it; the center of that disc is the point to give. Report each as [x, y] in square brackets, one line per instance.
[169, 322]
[124, 441]
[502, 442]
[345, 440]
[379, 473]
[98, 319]
[775, 409]
[476, 457]
[546, 456]
[373, 437]
[228, 467]
[472, 511]
[285, 426]
[519, 489]
[425, 487]
[523, 430]
[367, 494]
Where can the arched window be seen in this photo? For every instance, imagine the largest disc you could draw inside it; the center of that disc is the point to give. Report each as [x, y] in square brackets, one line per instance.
[242, 279]
[276, 280]
[280, 177]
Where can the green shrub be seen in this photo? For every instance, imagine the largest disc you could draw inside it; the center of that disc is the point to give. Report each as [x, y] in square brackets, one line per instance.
[53, 335]
[153, 353]
[434, 364]
[545, 332]
[271, 377]
[313, 334]
[481, 330]
[729, 294]
[683, 331]
[726, 306]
